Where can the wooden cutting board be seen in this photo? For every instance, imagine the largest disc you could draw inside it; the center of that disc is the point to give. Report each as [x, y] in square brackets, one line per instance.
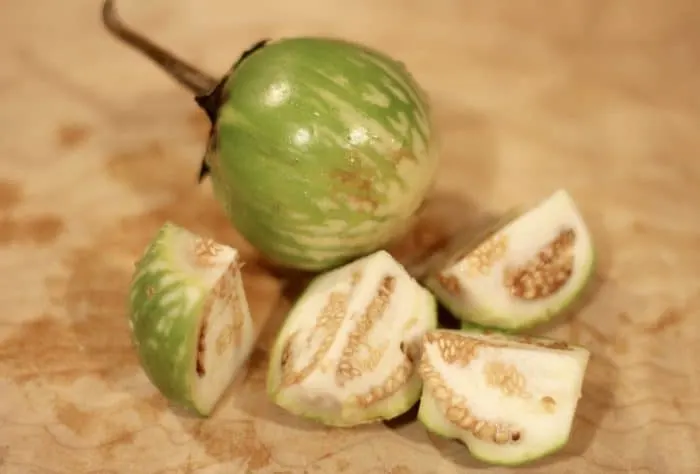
[99, 148]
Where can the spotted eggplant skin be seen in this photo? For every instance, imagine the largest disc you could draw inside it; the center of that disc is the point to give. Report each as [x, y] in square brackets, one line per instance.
[164, 315]
[321, 151]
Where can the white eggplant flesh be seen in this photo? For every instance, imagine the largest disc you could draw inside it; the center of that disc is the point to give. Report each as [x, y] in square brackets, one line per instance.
[522, 274]
[347, 352]
[510, 399]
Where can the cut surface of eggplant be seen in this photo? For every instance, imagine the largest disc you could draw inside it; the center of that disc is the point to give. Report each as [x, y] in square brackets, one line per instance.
[346, 354]
[189, 317]
[509, 399]
[522, 274]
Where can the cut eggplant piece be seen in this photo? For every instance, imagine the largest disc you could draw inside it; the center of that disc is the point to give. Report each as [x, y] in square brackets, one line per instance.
[189, 317]
[347, 352]
[525, 273]
[509, 399]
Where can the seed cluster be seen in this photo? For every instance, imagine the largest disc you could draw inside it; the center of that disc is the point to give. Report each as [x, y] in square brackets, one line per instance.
[454, 349]
[329, 322]
[371, 361]
[506, 378]
[351, 365]
[486, 255]
[391, 385]
[232, 333]
[204, 251]
[459, 349]
[547, 272]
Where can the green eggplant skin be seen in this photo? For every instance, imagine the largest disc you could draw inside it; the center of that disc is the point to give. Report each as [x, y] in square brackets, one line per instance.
[322, 151]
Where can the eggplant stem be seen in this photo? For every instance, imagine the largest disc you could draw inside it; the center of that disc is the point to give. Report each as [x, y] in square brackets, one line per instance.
[190, 77]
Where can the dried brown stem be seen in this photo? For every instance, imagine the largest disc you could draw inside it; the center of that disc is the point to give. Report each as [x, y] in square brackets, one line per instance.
[190, 77]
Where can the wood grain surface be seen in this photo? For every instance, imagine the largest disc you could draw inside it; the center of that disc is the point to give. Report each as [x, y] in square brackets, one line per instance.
[98, 148]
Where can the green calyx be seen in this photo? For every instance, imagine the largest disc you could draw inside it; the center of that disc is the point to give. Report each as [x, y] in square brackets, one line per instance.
[211, 103]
